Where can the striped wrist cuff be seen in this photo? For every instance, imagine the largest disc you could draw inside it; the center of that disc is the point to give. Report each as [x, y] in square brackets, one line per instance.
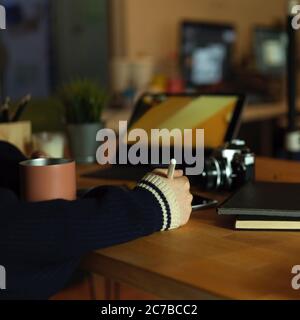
[166, 199]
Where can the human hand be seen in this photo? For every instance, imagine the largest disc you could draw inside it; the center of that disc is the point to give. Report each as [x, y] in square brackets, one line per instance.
[180, 186]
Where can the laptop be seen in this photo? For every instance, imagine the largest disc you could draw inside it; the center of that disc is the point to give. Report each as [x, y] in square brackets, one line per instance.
[218, 114]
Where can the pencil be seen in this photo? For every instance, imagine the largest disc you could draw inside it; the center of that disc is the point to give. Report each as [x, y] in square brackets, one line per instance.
[21, 108]
[5, 112]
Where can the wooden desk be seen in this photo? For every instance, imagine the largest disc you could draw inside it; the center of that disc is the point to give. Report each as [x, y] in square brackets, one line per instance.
[207, 258]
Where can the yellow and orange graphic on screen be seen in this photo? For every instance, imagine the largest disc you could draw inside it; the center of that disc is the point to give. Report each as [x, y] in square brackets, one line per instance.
[211, 113]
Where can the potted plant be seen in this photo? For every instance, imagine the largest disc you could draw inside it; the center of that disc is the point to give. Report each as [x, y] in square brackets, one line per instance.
[84, 102]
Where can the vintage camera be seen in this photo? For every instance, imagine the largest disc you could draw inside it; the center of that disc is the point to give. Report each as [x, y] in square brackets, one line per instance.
[229, 167]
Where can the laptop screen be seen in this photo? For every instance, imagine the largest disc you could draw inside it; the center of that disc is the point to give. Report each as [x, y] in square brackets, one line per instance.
[216, 114]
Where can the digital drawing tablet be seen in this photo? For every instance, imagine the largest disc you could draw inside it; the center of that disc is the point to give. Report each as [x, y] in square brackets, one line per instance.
[218, 114]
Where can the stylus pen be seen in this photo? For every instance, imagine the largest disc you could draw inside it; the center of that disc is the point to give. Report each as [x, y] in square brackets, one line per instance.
[171, 169]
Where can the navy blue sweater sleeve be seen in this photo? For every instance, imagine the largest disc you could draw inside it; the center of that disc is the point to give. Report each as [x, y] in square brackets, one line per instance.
[57, 230]
[42, 243]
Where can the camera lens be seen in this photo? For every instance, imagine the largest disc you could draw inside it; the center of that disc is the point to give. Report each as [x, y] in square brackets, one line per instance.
[213, 175]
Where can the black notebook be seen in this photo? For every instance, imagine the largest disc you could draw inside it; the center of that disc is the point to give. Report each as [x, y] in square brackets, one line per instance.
[264, 199]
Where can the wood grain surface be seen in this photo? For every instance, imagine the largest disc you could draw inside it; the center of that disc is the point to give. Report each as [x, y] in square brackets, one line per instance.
[206, 259]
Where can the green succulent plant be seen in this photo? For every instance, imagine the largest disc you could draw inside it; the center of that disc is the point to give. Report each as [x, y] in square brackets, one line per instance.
[83, 100]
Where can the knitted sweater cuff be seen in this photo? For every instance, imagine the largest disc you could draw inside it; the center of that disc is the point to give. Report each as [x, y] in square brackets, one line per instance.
[165, 197]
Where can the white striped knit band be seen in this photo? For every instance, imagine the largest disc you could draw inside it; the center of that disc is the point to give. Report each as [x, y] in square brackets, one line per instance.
[166, 199]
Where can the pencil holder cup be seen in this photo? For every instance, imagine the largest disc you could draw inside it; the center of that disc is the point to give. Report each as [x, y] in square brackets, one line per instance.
[18, 134]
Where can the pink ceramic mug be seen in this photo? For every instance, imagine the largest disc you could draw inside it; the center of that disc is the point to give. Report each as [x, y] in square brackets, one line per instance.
[48, 179]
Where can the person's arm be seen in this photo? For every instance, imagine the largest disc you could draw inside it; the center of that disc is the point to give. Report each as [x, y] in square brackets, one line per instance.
[57, 230]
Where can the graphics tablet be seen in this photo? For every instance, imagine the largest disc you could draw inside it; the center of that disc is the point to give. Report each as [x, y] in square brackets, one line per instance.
[218, 114]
